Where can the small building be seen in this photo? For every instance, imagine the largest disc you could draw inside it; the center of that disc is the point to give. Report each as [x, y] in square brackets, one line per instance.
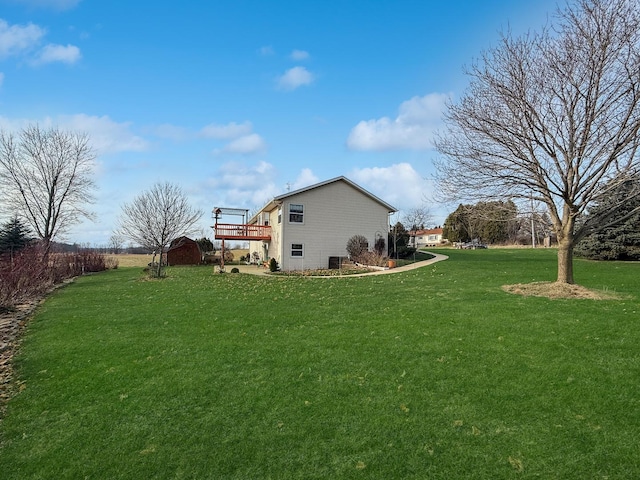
[431, 237]
[184, 251]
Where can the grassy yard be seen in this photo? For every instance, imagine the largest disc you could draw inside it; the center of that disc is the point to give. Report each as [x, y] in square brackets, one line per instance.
[433, 373]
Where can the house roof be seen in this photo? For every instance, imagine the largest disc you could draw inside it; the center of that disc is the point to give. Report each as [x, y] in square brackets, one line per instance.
[180, 242]
[276, 200]
[430, 231]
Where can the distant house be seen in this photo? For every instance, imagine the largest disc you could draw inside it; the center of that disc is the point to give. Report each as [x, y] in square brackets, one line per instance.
[425, 238]
[309, 228]
[184, 251]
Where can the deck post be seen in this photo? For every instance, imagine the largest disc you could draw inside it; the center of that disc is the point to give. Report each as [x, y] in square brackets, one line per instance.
[222, 257]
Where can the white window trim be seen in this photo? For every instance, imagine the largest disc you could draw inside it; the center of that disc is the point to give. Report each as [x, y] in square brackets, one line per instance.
[301, 249]
[289, 213]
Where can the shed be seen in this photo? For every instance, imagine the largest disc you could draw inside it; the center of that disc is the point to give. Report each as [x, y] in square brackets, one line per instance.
[184, 251]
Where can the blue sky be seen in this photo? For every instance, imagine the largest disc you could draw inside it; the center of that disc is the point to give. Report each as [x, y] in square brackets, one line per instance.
[238, 101]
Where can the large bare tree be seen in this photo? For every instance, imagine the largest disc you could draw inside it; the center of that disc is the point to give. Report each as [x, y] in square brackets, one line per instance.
[46, 178]
[157, 216]
[553, 117]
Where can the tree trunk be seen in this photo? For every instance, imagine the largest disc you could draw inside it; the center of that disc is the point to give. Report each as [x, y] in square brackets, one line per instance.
[159, 270]
[565, 261]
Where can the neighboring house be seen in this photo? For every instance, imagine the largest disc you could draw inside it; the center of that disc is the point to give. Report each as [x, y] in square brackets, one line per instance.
[184, 251]
[309, 228]
[425, 238]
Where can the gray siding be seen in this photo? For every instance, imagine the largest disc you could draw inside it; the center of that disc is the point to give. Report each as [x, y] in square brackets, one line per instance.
[333, 213]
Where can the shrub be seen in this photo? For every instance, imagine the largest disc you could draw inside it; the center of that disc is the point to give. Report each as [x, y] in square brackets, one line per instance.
[380, 246]
[406, 252]
[273, 265]
[372, 259]
[29, 274]
[23, 277]
[356, 246]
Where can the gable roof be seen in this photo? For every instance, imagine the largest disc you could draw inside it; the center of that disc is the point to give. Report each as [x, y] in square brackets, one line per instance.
[180, 242]
[270, 205]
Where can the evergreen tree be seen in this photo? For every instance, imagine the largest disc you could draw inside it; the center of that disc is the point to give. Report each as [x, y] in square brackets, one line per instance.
[619, 241]
[457, 227]
[205, 244]
[14, 235]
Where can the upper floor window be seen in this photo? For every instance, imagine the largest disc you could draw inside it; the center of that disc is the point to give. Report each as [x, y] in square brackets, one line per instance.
[279, 215]
[296, 213]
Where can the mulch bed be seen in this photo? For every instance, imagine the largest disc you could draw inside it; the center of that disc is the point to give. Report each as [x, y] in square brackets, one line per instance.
[554, 290]
[12, 325]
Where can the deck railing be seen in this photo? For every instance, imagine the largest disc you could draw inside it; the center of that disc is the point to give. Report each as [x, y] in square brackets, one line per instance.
[242, 232]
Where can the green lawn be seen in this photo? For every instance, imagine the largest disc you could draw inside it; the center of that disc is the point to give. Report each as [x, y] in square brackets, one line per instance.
[432, 373]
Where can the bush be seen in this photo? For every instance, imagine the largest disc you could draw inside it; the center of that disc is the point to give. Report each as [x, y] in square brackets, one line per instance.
[273, 265]
[24, 277]
[372, 259]
[356, 246]
[29, 274]
[405, 252]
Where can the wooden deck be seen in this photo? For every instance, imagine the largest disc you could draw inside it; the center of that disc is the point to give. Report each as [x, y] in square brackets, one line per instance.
[232, 231]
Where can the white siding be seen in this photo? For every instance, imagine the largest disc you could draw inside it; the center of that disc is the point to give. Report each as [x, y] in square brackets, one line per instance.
[333, 213]
[268, 250]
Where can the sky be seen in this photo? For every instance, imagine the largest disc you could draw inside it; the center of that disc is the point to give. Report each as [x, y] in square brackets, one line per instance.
[239, 101]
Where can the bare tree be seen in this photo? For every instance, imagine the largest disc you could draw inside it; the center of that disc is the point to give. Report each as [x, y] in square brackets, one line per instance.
[46, 179]
[553, 116]
[417, 217]
[157, 216]
[116, 242]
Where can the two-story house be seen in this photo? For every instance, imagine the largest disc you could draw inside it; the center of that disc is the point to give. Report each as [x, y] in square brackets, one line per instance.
[309, 228]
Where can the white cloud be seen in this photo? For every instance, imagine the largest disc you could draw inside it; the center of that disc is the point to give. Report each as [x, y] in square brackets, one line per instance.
[413, 128]
[239, 185]
[239, 137]
[23, 39]
[172, 132]
[295, 77]
[58, 53]
[1, 78]
[305, 178]
[16, 39]
[247, 144]
[299, 55]
[106, 135]
[399, 184]
[226, 132]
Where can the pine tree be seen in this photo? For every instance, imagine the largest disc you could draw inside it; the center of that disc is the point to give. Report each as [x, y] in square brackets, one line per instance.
[622, 240]
[14, 236]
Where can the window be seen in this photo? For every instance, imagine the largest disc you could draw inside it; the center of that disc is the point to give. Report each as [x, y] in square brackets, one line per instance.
[296, 213]
[297, 250]
[279, 215]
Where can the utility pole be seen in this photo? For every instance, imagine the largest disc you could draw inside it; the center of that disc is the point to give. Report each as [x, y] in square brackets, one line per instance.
[533, 226]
